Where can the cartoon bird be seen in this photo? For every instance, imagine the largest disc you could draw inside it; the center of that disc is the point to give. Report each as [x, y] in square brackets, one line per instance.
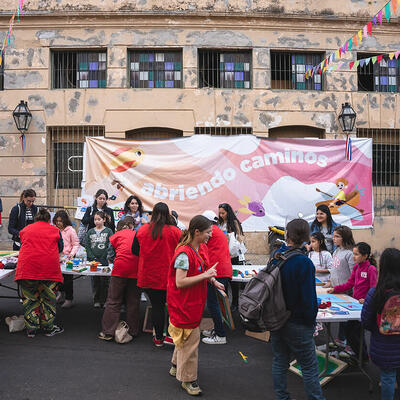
[254, 208]
[125, 158]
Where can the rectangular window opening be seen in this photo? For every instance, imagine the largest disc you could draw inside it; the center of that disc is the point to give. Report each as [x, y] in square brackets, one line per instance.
[222, 131]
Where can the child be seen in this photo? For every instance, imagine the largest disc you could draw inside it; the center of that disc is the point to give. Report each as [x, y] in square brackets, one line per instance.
[362, 278]
[384, 349]
[71, 245]
[123, 282]
[186, 298]
[320, 256]
[96, 244]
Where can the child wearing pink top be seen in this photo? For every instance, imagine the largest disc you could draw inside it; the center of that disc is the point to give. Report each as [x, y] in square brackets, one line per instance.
[71, 245]
[362, 278]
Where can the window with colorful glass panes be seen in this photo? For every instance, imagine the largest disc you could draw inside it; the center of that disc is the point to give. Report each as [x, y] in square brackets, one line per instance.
[288, 70]
[155, 69]
[79, 69]
[225, 69]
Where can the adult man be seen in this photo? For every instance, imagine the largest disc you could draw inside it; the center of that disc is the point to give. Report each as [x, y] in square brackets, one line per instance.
[296, 336]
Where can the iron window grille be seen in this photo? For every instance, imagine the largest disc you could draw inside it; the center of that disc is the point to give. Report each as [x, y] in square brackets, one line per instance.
[79, 69]
[385, 168]
[222, 131]
[378, 77]
[2, 75]
[225, 69]
[155, 69]
[288, 69]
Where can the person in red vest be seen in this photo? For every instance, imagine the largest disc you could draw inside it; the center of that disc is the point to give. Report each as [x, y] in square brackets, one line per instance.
[218, 252]
[123, 282]
[155, 245]
[39, 274]
[186, 297]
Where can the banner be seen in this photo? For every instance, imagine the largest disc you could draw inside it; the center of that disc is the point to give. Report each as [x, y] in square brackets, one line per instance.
[267, 181]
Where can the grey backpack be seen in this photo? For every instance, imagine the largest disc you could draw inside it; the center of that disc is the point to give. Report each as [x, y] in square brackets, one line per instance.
[262, 306]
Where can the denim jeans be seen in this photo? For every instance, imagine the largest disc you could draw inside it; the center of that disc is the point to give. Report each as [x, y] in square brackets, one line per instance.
[213, 307]
[388, 380]
[297, 339]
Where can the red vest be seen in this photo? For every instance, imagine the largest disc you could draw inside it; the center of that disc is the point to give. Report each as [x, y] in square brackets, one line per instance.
[186, 305]
[125, 263]
[155, 256]
[39, 258]
[218, 251]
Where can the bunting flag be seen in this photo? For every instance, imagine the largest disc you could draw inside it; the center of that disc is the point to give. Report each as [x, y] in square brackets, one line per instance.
[380, 17]
[348, 148]
[387, 11]
[394, 5]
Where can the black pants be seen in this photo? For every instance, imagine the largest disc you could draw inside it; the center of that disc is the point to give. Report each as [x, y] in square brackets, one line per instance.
[353, 336]
[67, 287]
[235, 286]
[158, 298]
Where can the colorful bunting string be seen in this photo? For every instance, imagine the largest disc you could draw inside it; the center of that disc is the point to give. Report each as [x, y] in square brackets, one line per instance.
[7, 38]
[356, 39]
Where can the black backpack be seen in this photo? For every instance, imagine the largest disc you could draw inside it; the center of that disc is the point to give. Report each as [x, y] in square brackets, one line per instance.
[262, 306]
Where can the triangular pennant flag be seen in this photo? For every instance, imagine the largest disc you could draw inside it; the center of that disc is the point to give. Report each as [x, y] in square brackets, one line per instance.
[362, 62]
[394, 5]
[367, 60]
[391, 55]
[337, 56]
[359, 36]
[355, 40]
[365, 31]
[373, 59]
[350, 44]
[374, 20]
[396, 54]
[369, 27]
[380, 17]
[351, 64]
[357, 63]
[387, 12]
[340, 52]
[379, 58]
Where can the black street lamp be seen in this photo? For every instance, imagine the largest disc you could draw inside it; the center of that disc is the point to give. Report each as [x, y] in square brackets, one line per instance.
[347, 118]
[22, 116]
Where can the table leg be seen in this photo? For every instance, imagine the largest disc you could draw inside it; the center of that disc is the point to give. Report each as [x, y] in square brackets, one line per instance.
[360, 360]
[328, 335]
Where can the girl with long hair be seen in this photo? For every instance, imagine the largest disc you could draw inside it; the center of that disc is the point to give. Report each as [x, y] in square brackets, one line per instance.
[320, 256]
[155, 245]
[99, 204]
[325, 224]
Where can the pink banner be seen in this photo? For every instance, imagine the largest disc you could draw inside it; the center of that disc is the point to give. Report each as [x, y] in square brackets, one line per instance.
[267, 182]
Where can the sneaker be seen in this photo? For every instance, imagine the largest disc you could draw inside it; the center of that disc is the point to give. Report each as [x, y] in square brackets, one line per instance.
[191, 388]
[30, 333]
[172, 370]
[105, 336]
[208, 333]
[97, 305]
[347, 352]
[169, 341]
[214, 340]
[55, 331]
[67, 304]
[158, 342]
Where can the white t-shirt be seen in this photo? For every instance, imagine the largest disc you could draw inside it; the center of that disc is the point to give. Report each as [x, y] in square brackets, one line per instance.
[321, 260]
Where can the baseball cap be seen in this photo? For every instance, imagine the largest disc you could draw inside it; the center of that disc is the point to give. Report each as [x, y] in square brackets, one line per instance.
[209, 214]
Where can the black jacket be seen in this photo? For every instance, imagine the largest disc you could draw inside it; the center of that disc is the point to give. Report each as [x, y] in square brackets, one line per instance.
[88, 218]
[17, 219]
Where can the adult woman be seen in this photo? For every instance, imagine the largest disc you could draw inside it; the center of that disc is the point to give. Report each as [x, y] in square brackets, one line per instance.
[39, 273]
[324, 223]
[99, 204]
[134, 208]
[155, 244]
[22, 215]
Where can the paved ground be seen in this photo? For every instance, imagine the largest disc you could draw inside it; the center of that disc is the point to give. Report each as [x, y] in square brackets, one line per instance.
[76, 365]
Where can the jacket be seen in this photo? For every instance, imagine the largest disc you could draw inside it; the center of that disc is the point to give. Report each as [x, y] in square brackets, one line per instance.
[384, 349]
[38, 258]
[17, 219]
[71, 241]
[218, 251]
[88, 218]
[97, 244]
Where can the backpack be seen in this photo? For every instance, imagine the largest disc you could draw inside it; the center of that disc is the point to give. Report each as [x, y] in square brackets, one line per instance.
[390, 316]
[262, 306]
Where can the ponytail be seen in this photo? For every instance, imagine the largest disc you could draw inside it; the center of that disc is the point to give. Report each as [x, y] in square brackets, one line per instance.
[186, 238]
[42, 215]
[372, 260]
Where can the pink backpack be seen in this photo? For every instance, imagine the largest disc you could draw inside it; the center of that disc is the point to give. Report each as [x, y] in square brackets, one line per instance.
[390, 316]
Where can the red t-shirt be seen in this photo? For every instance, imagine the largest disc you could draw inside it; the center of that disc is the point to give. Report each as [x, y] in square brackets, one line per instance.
[155, 255]
[39, 257]
[218, 251]
[186, 305]
[125, 263]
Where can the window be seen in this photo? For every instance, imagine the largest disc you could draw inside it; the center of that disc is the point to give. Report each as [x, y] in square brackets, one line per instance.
[296, 131]
[379, 77]
[155, 69]
[225, 69]
[222, 131]
[153, 133]
[79, 69]
[288, 70]
[385, 168]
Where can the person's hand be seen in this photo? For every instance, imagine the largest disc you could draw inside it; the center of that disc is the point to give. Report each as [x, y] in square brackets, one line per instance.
[361, 301]
[143, 221]
[218, 285]
[211, 272]
[327, 285]
[308, 247]
[70, 257]
[330, 291]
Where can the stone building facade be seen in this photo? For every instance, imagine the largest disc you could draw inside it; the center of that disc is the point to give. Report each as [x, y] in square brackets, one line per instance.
[150, 68]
